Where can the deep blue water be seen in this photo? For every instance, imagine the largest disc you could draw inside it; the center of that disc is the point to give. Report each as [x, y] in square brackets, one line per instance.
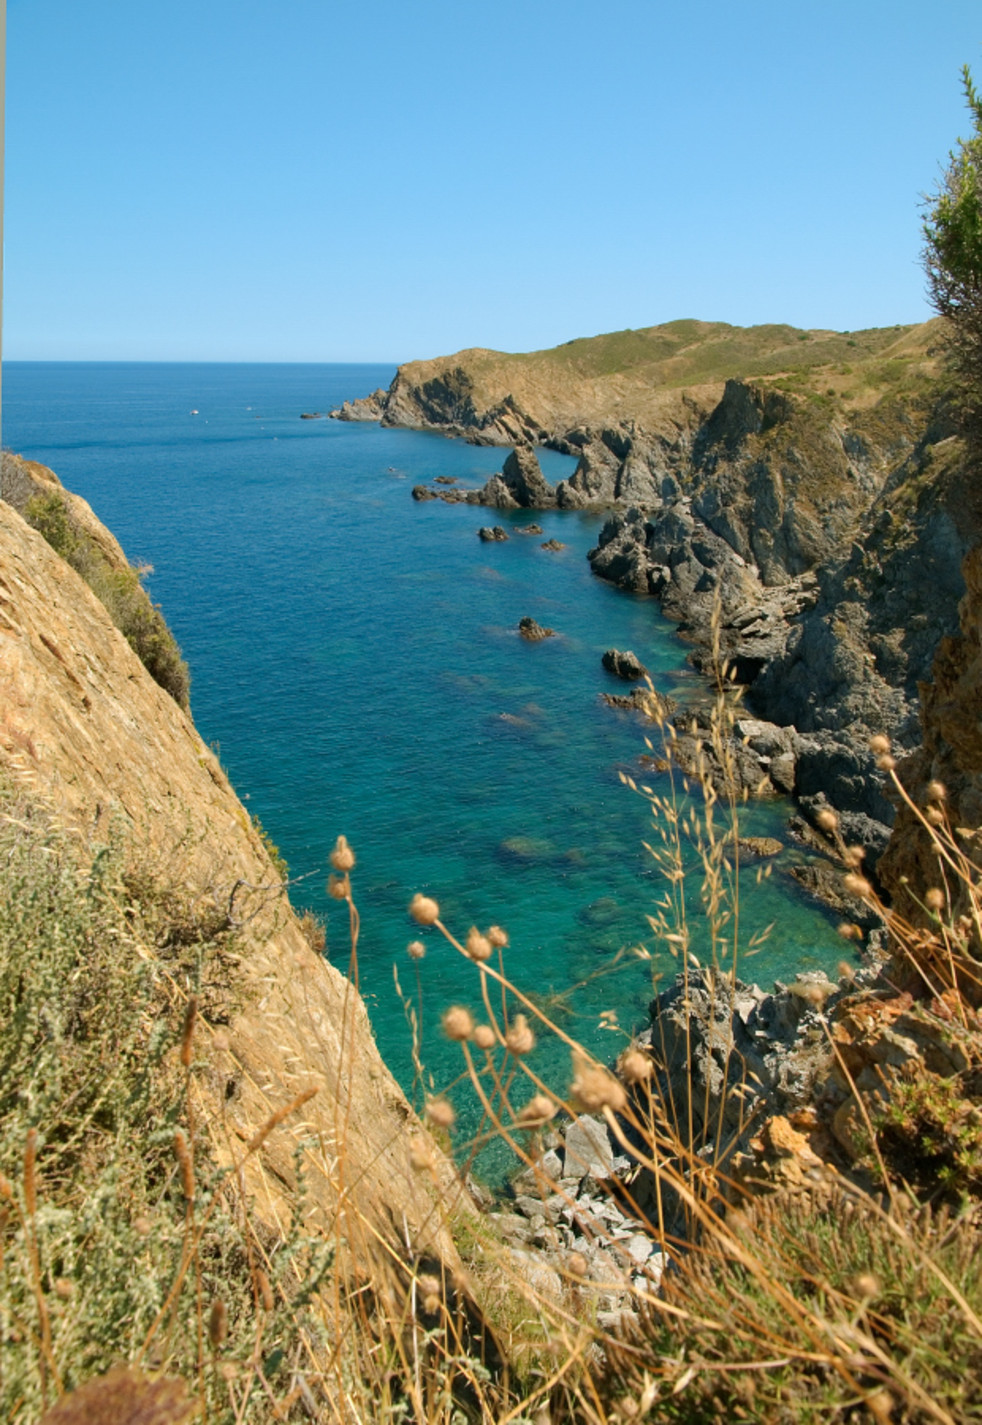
[354, 654]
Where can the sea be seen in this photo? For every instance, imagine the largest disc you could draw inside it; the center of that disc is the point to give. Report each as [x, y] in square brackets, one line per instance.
[356, 665]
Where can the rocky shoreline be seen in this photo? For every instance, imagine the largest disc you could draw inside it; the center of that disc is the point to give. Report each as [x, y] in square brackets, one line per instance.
[816, 551]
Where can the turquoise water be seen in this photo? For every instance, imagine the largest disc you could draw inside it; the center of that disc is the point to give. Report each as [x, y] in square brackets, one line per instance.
[354, 655]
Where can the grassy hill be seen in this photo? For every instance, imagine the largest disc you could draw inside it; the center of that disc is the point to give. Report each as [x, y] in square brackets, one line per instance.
[639, 375]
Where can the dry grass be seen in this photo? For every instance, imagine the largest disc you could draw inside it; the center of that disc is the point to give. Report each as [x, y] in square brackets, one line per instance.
[128, 1238]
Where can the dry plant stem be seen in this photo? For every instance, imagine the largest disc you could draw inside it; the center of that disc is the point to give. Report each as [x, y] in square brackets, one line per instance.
[253, 1146]
[46, 1358]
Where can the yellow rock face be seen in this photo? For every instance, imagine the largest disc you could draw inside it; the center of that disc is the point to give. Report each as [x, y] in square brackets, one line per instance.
[86, 731]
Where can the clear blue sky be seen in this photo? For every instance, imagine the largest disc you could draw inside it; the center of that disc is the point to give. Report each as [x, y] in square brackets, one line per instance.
[319, 180]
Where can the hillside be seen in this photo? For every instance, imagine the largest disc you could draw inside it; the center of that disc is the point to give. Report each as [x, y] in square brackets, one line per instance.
[650, 377]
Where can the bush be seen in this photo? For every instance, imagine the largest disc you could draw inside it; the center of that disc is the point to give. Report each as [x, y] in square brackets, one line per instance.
[121, 592]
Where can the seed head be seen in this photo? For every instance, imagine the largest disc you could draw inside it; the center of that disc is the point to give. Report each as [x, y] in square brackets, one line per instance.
[879, 744]
[519, 1038]
[854, 857]
[440, 1113]
[880, 1405]
[849, 930]
[64, 1288]
[478, 945]
[934, 899]
[857, 886]
[937, 792]
[485, 1037]
[415, 949]
[421, 1153]
[142, 1226]
[886, 763]
[429, 1285]
[846, 971]
[265, 1290]
[342, 858]
[217, 1324]
[577, 1264]
[338, 887]
[827, 820]
[935, 816]
[498, 937]
[424, 910]
[458, 1023]
[867, 1285]
[635, 1066]
[539, 1109]
[594, 1087]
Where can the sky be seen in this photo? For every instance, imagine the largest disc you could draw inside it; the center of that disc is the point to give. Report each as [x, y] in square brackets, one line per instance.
[320, 180]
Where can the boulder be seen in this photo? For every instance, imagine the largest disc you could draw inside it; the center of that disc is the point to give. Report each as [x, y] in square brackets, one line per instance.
[625, 665]
[525, 481]
[588, 1148]
[492, 534]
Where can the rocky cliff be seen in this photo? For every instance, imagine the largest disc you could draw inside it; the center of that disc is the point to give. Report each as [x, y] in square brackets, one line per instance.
[87, 733]
[803, 492]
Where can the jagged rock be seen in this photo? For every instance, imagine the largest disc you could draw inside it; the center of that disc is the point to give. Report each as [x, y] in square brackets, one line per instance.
[762, 846]
[533, 631]
[653, 705]
[521, 484]
[492, 534]
[528, 529]
[553, 544]
[625, 665]
[588, 1147]
[364, 408]
[423, 492]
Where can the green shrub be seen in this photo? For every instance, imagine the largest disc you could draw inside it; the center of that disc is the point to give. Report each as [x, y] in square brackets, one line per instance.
[110, 1249]
[121, 592]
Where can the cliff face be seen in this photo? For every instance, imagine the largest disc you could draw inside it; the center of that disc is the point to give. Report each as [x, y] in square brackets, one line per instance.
[806, 483]
[951, 753]
[87, 732]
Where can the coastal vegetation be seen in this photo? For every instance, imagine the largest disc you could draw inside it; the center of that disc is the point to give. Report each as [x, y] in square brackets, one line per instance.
[215, 1202]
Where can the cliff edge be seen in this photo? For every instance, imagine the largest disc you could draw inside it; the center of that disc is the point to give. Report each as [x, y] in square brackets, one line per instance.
[86, 733]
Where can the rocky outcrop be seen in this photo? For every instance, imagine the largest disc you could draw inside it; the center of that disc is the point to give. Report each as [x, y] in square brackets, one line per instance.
[363, 408]
[534, 632]
[626, 665]
[492, 534]
[654, 706]
[521, 484]
[86, 732]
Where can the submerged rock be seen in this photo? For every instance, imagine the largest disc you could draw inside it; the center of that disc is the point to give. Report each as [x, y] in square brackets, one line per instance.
[533, 631]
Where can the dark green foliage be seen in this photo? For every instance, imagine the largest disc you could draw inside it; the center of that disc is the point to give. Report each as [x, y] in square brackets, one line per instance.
[120, 590]
[953, 259]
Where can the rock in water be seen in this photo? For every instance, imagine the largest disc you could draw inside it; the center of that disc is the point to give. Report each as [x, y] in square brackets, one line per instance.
[624, 665]
[525, 480]
[553, 544]
[533, 631]
[492, 534]
[521, 484]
